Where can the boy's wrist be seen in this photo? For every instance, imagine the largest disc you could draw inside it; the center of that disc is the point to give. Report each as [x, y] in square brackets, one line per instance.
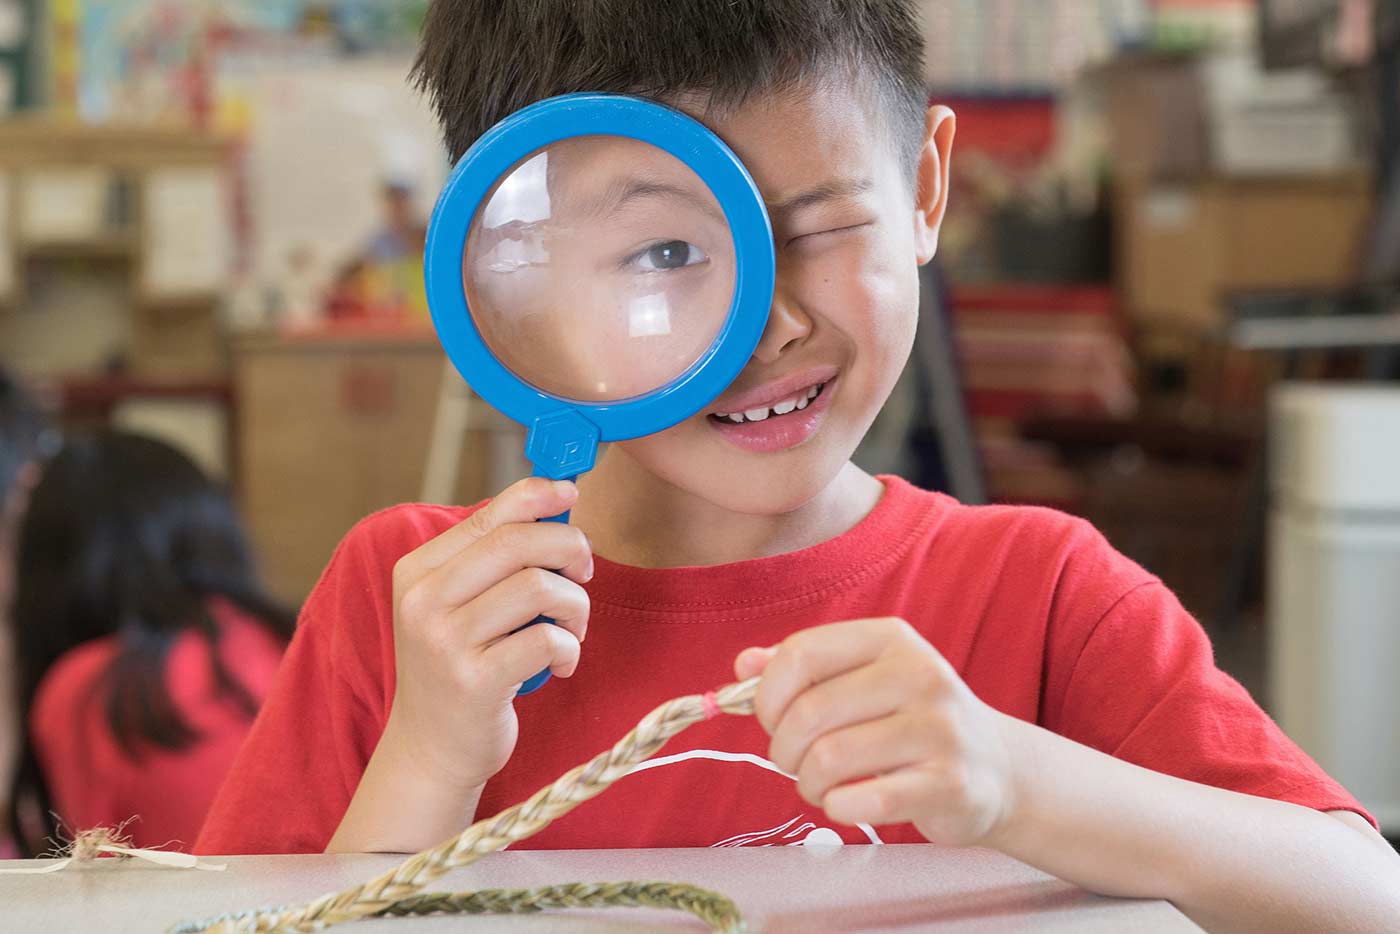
[1018, 798]
[401, 755]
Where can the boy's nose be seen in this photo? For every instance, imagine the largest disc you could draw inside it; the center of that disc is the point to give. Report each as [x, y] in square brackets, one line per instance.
[788, 326]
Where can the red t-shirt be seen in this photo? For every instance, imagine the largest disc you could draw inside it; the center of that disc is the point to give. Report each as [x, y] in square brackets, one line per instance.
[1041, 617]
[94, 783]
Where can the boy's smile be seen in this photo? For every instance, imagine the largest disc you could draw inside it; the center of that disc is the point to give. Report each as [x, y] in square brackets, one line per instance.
[778, 415]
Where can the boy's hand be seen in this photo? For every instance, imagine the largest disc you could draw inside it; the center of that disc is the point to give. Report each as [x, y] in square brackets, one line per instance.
[458, 600]
[879, 729]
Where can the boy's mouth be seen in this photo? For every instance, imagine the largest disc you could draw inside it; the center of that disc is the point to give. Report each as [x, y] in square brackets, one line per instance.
[795, 403]
[779, 416]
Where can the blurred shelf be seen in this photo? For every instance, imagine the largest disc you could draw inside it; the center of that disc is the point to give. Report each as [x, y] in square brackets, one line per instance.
[104, 246]
[30, 140]
[1099, 297]
[177, 300]
[1009, 95]
[104, 392]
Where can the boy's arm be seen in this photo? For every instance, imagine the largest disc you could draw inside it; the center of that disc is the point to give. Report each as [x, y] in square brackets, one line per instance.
[397, 806]
[459, 602]
[879, 729]
[1232, 862]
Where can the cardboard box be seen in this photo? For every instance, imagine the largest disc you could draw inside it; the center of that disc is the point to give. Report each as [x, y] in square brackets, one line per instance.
[1158, 127]
[1186, 116]
[1183, 247]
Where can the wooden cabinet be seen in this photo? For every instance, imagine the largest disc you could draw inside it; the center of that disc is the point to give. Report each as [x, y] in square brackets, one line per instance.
[332, 429]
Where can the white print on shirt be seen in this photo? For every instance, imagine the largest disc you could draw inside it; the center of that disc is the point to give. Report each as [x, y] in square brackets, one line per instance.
[785, 832]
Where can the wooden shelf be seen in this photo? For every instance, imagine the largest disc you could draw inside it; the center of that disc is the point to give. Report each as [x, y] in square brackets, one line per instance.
[105, 246]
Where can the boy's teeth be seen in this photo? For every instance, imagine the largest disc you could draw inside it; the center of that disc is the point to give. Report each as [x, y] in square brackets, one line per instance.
[796, 403]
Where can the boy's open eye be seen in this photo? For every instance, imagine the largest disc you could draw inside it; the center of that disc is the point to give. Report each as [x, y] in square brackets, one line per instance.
[670, 254]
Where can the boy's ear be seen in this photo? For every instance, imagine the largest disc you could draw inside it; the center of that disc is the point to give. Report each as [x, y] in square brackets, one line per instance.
[931, 195]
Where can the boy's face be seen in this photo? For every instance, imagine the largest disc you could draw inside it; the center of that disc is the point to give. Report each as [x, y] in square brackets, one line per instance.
[850, 232]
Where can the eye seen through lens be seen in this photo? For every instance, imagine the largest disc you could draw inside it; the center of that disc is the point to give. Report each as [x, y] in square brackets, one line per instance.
[599, 269]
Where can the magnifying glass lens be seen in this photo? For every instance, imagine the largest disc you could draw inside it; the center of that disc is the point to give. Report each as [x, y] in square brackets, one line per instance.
[599, 269]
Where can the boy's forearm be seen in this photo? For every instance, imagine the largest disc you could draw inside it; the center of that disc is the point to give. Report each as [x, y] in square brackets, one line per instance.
[399, 809]
[1232, 862]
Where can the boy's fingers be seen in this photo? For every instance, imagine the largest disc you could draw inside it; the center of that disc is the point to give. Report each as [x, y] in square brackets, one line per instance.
[751, 662]
[866, 694]
[524, 654]
[856, 752]
[887, 799]
[518, 600]
[529, 499]
[504, 551]
[812, 656]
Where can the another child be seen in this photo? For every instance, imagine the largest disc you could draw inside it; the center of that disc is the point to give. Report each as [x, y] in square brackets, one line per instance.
[22, 435]
[992, 676]
[144, 643]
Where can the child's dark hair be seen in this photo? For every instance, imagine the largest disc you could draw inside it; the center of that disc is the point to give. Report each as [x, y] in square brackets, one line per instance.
[482, 60]
[22, 432]
[125, 536]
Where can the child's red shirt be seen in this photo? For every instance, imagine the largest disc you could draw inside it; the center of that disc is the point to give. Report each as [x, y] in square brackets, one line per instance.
[1040, 616]
[164, 793]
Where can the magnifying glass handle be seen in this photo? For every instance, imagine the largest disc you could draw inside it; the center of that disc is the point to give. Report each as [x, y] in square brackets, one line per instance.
[538, 681]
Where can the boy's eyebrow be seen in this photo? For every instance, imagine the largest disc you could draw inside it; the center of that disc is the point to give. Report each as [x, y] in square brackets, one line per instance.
[619, 193]
[826, 191]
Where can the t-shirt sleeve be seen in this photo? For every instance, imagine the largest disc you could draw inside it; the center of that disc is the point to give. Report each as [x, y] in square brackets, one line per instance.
[1145, 689]
[296, 773]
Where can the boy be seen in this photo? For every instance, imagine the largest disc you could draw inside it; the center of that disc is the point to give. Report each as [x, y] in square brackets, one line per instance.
[992, 676]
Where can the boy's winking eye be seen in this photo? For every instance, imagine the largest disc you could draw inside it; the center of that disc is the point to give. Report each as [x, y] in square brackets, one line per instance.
[829, 207]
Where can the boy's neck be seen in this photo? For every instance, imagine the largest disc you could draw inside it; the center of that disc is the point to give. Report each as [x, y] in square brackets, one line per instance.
[633, 517]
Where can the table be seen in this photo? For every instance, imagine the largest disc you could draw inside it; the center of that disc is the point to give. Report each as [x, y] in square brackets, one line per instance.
[780, 889]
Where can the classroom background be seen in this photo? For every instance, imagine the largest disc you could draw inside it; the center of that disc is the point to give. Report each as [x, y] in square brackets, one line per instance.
[1166, 298]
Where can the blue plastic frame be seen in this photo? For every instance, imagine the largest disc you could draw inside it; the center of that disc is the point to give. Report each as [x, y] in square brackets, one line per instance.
[565, 433]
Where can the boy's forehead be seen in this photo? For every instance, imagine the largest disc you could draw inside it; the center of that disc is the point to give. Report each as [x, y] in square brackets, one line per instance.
[797, 144]
[796, 139]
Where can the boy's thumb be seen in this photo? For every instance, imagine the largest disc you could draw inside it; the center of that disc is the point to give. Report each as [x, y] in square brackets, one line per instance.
[751, 662]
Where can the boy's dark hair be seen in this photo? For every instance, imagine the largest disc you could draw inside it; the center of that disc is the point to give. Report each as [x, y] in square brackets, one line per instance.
[481, 60]
[22, 430]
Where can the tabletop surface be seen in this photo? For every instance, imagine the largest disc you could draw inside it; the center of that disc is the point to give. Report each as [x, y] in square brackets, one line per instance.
[789, 889]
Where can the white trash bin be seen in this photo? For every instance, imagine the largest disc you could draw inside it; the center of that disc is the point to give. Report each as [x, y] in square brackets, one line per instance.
[1334, 583]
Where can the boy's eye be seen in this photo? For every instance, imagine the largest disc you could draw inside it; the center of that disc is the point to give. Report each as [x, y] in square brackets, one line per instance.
[672, 254]
[834, 230]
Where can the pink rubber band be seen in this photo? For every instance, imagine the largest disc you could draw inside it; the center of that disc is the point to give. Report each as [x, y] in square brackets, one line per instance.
[711, 705]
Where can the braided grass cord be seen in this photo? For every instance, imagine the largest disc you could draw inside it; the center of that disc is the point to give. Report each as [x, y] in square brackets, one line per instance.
[711, 907]
[380, 895]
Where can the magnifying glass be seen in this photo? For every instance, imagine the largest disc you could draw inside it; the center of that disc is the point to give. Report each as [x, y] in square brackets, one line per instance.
[599, 268]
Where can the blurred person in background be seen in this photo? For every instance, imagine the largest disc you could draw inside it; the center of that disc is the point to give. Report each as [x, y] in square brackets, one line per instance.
[385, 281]
[22, 436]
[144, 644]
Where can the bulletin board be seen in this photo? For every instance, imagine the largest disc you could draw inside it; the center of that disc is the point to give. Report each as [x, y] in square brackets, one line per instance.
[161, 58]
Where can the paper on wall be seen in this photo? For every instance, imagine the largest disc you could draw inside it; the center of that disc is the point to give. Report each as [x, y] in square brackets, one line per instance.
[62, 205]
[188, 244]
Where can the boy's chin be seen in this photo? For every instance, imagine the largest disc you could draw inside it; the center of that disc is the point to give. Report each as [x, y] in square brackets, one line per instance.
[755, 488]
